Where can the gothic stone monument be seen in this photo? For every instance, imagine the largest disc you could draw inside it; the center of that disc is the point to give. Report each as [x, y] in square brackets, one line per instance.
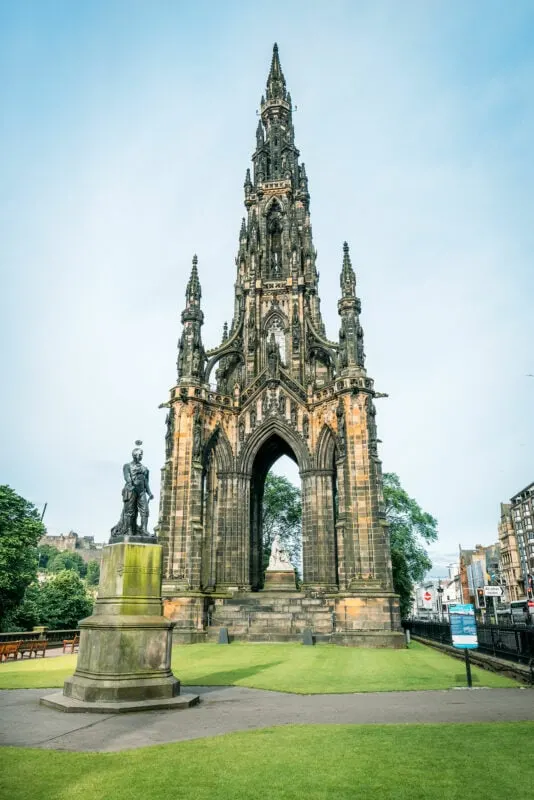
[124, 661]
[275, 385]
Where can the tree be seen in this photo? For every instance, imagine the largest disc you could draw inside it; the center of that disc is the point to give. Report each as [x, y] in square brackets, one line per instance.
[63, 601]
[93, 573]
[26, 614]
[409, 529]
[282, 514]
[46, 552]
[20, 530]
[66, 559]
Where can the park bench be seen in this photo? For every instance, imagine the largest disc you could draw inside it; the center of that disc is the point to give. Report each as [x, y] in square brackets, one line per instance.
[33, 646]
[72, 642]
[9, 649]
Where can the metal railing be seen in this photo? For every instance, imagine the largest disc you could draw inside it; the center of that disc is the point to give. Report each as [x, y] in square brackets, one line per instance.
[511, 642]
[53, 638]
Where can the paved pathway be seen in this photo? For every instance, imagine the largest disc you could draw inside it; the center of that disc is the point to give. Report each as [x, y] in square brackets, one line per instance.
[24, 722]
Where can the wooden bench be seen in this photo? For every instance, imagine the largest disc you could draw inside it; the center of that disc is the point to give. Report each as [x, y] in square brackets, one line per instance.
[9, 649]
[33, 646]
[72, 642]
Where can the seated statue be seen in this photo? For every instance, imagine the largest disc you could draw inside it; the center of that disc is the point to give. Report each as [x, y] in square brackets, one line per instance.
[279, 560]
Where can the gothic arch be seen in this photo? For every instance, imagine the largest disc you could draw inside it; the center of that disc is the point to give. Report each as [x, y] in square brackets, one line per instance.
[232, 351]
[220, 445]
[274, 201]
[274, 427]
[325, 449]
[275, 313]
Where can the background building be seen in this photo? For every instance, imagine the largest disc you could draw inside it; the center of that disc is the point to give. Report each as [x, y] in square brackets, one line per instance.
[522, 514]
[478, 568]
[513, 579]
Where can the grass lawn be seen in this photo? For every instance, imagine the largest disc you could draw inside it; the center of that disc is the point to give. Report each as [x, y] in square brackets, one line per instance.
[285, 667]
[316, 762]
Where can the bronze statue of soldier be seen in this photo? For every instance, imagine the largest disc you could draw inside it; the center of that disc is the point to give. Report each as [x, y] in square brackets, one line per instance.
[136, 495]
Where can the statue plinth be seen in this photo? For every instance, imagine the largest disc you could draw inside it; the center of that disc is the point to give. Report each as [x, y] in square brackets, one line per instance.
[280, 580]
[124, 660]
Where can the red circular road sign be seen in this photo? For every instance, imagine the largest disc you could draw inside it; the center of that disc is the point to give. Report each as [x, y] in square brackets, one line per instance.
[427, 596]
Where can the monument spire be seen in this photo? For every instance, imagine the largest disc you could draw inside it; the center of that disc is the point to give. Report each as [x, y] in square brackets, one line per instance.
[351, 354]
[276, 385]
[276, 83]
[191, 354]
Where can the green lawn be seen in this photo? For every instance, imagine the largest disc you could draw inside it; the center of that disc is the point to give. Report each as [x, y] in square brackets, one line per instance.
[285, 667]
[416, 762]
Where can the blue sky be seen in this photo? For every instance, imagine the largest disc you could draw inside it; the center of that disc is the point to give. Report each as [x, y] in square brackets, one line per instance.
[125, 132]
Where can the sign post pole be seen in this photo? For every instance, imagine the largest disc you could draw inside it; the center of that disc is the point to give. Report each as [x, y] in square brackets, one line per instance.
[468, 669]
[464, 632]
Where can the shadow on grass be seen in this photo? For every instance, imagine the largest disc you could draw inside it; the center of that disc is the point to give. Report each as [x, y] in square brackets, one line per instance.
[228, 677]
[461, 679]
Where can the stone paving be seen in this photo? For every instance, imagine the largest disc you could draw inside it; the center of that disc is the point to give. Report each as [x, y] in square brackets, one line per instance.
[23, 722]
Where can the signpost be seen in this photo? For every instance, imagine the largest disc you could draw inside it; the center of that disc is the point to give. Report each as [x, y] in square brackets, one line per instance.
[493, 591]
[464, 632]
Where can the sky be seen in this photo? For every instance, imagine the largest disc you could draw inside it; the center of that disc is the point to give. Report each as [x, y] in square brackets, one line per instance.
[125, 132]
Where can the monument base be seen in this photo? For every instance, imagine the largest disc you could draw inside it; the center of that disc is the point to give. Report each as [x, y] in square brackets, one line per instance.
[71, 706]
[125, 646]
[369, 618]
[278, 580]
[125, 657]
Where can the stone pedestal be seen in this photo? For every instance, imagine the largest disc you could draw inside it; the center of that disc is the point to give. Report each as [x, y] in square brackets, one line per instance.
[125, 646]
[279, 580]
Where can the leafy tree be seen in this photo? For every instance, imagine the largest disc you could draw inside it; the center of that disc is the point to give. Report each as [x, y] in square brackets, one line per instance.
[63, 601]
[66, 559]
[20, 530]
[46, 552]
[93, 573]
[409, 529]
[282, 514]
[26, 614]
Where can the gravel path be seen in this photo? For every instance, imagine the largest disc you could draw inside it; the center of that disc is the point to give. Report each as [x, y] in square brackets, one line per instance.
[23, 722]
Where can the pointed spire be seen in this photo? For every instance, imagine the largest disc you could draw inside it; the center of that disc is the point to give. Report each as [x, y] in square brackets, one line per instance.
[225, 332]
[193, 292]
[303, 179]
[191, 355]
[351, 354]
[260, 136]
[243, 230]
[276, 83]
[348, 278]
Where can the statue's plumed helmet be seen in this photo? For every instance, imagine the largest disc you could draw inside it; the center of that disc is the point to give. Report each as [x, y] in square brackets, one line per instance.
[137, 449]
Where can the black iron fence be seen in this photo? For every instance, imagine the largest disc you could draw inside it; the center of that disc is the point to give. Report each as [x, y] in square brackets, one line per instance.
[53, 638]
[512, 642]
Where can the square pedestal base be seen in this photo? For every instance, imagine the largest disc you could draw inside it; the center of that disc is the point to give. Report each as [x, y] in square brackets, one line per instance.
[279, 581]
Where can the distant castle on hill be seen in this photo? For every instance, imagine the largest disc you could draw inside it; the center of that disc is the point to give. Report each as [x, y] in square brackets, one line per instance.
[85, 546]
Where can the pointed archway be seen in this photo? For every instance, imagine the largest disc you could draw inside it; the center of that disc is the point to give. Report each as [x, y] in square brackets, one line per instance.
[269, 452]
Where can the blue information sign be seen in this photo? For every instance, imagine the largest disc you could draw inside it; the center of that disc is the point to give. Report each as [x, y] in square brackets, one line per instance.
[463, 626]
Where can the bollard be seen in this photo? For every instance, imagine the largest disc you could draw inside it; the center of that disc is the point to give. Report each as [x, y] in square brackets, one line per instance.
[223, 636]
